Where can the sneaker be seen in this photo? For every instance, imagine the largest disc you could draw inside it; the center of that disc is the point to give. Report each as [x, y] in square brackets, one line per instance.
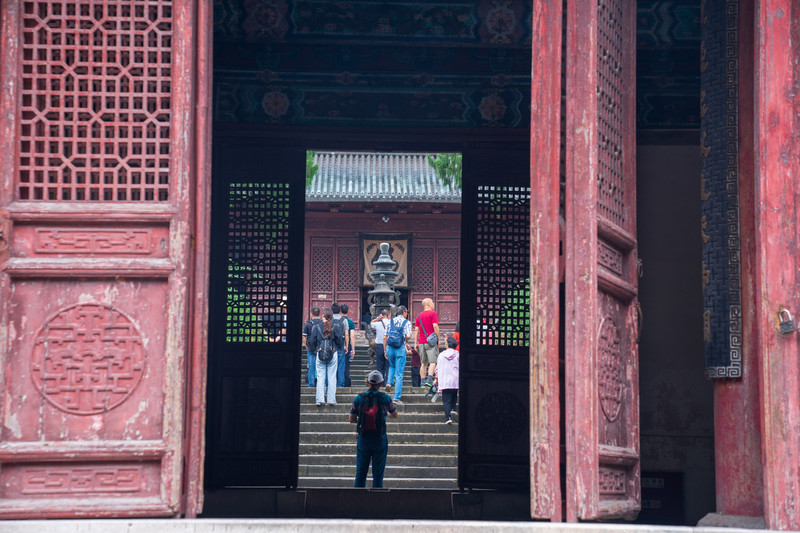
[319, 404]
[388, 387]
[397, 402]
[448, 421]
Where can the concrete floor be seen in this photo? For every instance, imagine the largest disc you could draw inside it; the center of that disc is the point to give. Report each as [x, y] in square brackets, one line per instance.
[330, 526]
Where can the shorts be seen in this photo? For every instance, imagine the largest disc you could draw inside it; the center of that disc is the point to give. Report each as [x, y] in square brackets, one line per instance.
[428, 354]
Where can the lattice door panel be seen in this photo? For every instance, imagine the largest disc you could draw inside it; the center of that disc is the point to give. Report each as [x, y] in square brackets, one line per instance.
[97, 139]
[257, 278]
[502, 254]
[494, 320]
[96, 101]
[256, 283]
[334, 274]
[601, 334]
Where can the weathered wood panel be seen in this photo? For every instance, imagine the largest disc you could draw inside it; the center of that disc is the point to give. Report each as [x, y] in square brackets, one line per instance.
[601, 330]
[96, 195]
[545, 180]
[775, 266]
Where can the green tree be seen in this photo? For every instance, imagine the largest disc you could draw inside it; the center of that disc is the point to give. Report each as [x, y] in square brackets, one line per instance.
[447, 167]
[311, 167]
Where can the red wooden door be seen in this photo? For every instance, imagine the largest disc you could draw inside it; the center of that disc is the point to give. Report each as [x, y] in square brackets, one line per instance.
[334, 274]
[602, 424]
[436, 274]
[96, 132]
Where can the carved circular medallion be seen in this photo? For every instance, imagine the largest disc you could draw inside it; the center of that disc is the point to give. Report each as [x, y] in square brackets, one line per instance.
[611, 384]
[501, 21]
[87, 359]
[501, 418]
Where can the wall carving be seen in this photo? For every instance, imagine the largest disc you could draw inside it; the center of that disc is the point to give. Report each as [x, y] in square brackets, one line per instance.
[611, 377]
[612, 482]
[82, 480]
[87, 359]
[92, 241]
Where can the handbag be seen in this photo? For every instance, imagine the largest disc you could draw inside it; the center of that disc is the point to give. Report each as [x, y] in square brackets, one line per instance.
[432, 339]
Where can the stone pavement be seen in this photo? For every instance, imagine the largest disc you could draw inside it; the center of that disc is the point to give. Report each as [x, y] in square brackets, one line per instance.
[331, 526]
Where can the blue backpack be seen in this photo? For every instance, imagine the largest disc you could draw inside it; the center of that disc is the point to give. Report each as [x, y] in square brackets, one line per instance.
[395, 337]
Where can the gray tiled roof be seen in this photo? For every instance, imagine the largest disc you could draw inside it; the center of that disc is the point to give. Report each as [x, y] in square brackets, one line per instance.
[377, 177]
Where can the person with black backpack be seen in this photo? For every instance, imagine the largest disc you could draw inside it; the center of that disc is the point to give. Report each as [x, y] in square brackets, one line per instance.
[325, 341]
[368, 412]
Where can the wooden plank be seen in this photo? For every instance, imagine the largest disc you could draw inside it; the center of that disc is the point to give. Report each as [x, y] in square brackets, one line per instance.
[545, 150]
[776, 266]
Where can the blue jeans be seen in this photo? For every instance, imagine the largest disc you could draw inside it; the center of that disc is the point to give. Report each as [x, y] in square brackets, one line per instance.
[311, 379]
[340, 369]
[397, 365]
[328, 371]
[374, 448]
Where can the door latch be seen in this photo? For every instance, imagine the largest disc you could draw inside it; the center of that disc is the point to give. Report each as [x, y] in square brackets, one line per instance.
[785, 322]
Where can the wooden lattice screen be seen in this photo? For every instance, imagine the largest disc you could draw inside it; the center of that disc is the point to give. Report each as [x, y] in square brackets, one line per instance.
[95, 113]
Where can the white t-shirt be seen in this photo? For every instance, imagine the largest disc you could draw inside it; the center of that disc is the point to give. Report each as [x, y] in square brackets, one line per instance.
[380, 329]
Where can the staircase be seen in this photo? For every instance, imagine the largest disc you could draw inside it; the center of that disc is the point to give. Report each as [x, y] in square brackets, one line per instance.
[423, 450]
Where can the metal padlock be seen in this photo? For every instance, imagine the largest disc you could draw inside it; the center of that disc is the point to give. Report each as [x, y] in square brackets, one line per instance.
[785, 322]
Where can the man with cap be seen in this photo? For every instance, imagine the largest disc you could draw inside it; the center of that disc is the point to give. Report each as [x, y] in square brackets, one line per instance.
[368, 412]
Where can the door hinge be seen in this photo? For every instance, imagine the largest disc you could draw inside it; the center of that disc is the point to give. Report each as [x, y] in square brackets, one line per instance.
[5, 234]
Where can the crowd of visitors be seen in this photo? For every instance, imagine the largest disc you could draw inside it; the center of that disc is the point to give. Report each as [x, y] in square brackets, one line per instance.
[329, 338]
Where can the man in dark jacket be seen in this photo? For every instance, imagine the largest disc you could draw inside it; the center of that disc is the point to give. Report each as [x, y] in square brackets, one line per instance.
[369, 412]
[311, 357]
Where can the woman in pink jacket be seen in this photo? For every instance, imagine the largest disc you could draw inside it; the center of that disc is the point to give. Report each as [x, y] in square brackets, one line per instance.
[447, 378]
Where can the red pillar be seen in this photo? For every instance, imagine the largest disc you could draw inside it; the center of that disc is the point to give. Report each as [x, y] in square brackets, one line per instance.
[737, 433]
[777, 254]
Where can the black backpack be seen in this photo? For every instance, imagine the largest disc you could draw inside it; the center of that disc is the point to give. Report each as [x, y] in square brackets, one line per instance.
[325, 350]
[371, 418]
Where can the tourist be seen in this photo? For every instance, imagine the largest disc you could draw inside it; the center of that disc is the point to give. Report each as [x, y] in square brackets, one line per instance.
[345, 325]
[350, 348]
[368, 412]
[394, 343]
[311, 357]
[447, 379]
[323, 336]
[427, 325]
[380, 324]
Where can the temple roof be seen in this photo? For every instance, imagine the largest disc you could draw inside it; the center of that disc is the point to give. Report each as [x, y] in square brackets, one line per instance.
[377, 177]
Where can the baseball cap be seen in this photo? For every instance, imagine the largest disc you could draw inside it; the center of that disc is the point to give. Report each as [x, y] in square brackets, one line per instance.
[375, 377]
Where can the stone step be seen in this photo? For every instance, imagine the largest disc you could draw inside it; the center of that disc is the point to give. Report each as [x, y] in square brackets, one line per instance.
[416, 392]
[392, 471]
[313, 437]
[343, 409]
[423, 460]
[393, 427]
[323, 415]
[388, 483]
[395, 447]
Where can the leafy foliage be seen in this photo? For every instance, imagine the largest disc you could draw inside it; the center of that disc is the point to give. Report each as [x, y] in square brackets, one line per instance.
[447, 167]
[311, 167]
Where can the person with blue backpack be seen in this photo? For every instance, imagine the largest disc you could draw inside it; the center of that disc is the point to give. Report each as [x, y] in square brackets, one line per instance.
[369, 412]
[394, 344]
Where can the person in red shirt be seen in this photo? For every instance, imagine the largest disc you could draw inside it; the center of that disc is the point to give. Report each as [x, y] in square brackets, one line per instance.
[427, 323]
